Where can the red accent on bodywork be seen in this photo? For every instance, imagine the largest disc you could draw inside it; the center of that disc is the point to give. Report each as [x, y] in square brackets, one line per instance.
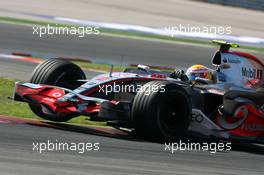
[23, 90]
[93, 109]
[48, 96]
[52, 92]
[253, 83]
[253, 126]
[158, 76]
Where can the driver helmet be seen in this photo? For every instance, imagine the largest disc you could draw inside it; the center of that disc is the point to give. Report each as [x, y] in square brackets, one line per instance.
[199, 71]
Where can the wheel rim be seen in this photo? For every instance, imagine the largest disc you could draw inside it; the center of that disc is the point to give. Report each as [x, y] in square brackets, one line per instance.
[173, 113]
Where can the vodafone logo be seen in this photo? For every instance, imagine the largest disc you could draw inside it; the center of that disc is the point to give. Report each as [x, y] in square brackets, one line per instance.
[57, 94]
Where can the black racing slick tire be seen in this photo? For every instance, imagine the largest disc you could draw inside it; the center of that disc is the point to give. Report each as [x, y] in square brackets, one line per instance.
[59, 73]
[161, 111]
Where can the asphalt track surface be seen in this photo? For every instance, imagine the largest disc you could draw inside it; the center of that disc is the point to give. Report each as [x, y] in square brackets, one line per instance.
[117, 155]
[104, 49]
[100, 48]
[21, 70]
[152, 13]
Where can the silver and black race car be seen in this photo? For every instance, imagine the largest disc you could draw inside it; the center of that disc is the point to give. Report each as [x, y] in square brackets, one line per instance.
[156, 104]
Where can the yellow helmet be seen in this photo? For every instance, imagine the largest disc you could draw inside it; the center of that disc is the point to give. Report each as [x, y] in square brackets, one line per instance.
[199, 71]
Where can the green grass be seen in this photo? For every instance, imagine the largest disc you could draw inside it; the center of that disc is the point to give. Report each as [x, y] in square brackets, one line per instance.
[121, 33]
[18, 109]
[9, 107]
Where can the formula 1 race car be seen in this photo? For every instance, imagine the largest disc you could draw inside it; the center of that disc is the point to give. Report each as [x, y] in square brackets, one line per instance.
[151, 102]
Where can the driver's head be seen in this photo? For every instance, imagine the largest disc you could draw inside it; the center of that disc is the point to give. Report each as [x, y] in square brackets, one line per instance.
[199, 71]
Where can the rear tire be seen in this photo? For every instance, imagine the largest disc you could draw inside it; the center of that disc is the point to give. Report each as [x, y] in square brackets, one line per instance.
[60, 73]
[162, 115]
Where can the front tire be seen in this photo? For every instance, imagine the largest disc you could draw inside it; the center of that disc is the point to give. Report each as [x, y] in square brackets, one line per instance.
[161, 115]
[60, 73]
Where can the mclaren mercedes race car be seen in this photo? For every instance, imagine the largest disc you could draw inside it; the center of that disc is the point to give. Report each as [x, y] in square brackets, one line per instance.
[153, 103]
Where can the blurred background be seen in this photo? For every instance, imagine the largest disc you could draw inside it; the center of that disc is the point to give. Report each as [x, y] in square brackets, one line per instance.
[131, 32]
